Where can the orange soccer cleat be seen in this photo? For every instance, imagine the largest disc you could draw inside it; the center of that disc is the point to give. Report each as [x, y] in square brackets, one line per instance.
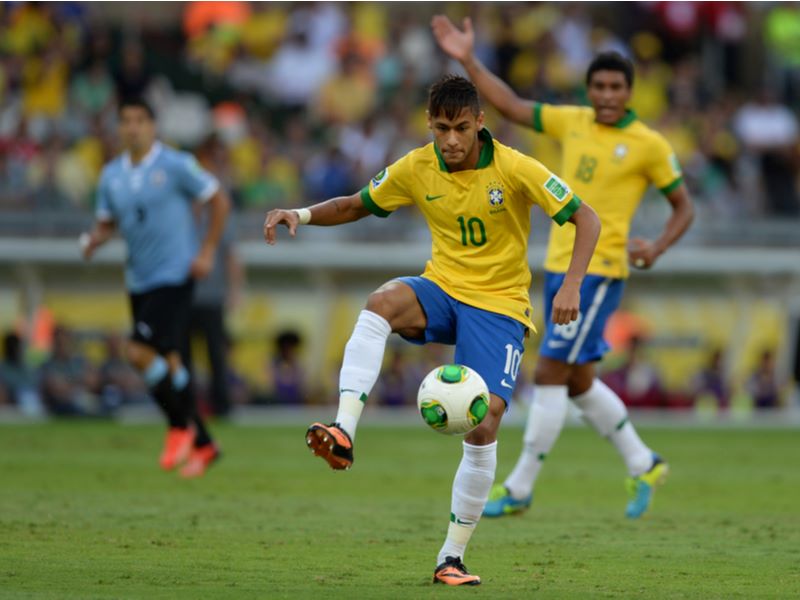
[199, 460]
[453, 572]
[177, 446]
[332, 444]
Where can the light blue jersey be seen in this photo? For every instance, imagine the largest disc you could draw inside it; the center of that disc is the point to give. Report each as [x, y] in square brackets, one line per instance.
[151, 203]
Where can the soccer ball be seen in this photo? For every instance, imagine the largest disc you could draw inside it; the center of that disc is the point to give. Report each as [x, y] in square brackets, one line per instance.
[453, 399]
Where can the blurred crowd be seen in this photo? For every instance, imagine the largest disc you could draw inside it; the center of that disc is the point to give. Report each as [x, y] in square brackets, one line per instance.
[300, 102]
[64, 382]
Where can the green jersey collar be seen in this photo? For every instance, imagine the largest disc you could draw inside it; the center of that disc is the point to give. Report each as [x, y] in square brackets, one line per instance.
[486, 155]
[630, 117]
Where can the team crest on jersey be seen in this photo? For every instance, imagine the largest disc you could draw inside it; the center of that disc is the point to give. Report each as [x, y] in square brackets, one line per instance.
[496, 197]
[380, 178]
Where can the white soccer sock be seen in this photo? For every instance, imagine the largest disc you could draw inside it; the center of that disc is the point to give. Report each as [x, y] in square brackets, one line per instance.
[604, 411]
[363, 356]
[546, 418]
[471, 487]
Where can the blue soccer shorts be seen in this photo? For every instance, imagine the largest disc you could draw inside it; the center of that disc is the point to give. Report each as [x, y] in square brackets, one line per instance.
[489, 343]
[582, 340]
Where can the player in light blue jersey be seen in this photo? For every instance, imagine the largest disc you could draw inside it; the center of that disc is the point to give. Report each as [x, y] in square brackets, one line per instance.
[147, 194]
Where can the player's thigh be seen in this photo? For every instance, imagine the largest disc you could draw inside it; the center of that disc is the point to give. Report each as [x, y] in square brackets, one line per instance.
[435, 319]
[396, 302]
[580, 341]
[161, 317]
[492, 345]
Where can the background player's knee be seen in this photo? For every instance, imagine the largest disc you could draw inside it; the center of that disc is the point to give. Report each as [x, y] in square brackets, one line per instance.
[139, 355]
[551, 372]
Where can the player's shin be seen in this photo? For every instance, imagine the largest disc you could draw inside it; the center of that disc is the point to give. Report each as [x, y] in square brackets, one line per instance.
[471, 487]
[604, 411]
[363, 356]
[159, 382]
[546, 418]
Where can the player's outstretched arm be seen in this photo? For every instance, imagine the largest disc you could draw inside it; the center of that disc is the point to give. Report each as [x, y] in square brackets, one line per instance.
[99, 235]
[460, 46]
[643, 253]
[567, 301]
[336, 211]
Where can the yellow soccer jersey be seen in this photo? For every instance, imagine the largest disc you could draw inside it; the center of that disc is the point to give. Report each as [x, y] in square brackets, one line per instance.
[609, 167]
[479, 219]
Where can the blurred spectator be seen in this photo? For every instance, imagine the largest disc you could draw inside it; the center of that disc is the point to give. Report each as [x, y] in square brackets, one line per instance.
[636, 382]
[17, 380]
[711, 383]
[133, 78]
[287, 374]
[119, 382]
[763, 384]
[769, 132]
[67, 379]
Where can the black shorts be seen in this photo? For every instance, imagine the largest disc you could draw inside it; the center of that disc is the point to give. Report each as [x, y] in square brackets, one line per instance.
[161, 316]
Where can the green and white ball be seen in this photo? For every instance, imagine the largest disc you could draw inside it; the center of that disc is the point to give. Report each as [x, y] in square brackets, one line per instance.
[453, 399]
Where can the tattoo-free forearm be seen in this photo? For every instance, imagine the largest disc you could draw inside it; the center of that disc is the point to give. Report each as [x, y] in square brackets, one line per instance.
[679, 221]
[587, 232]
[219, 205]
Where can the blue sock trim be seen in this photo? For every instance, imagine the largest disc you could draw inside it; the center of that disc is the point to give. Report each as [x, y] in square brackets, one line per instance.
[155, 371]
[180, 378]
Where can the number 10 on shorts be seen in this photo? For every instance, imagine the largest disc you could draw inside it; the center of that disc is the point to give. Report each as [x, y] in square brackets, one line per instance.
[513, 360]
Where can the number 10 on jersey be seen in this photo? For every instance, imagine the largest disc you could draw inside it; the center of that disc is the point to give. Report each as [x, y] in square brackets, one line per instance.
[474, 229]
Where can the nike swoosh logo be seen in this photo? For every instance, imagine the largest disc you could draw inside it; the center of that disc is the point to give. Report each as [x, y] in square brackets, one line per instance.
[504, 384]
[430, 198]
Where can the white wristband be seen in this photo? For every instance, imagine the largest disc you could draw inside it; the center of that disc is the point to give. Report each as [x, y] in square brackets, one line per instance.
[303, 215]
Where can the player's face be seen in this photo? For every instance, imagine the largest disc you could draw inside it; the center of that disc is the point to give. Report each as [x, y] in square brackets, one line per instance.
[457, 139]
[136, 129]
[609, 93]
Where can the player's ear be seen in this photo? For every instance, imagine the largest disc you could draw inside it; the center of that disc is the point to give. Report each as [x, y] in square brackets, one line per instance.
[428, 116]
[479, 120]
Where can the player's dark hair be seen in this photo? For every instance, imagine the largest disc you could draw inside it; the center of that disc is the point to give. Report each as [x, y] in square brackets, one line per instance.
[611, 61]
[137, 103]
[450, 95]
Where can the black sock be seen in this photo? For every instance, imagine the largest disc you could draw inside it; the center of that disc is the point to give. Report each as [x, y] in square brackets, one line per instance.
[166, 398]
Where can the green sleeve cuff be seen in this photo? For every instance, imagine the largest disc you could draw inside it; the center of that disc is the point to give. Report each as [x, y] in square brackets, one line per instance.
[537, 117]
[671, 187]
[371, 206]
[565, 213]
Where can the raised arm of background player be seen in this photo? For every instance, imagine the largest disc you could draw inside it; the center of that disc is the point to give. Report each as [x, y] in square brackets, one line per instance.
[345, 209]
[460, 46]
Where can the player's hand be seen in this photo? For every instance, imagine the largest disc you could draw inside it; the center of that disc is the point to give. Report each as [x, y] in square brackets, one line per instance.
[202, 264]
[566, 304]
[456, 43]
[274, 218]
[88, 244]
[642, 253]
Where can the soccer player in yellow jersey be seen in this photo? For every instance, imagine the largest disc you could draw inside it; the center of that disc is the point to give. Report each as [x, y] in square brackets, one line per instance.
[609, 158]
[476, 195]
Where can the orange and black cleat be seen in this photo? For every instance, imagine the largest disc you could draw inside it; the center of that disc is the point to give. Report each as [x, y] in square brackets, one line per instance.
[332, 443]
[453, 572]
[200, 460]
[177, 446]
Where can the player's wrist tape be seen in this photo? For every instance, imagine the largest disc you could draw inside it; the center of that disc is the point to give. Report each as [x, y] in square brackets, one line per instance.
[303, 215]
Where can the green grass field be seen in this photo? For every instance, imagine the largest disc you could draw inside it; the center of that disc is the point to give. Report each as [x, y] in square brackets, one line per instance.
[85, 513]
